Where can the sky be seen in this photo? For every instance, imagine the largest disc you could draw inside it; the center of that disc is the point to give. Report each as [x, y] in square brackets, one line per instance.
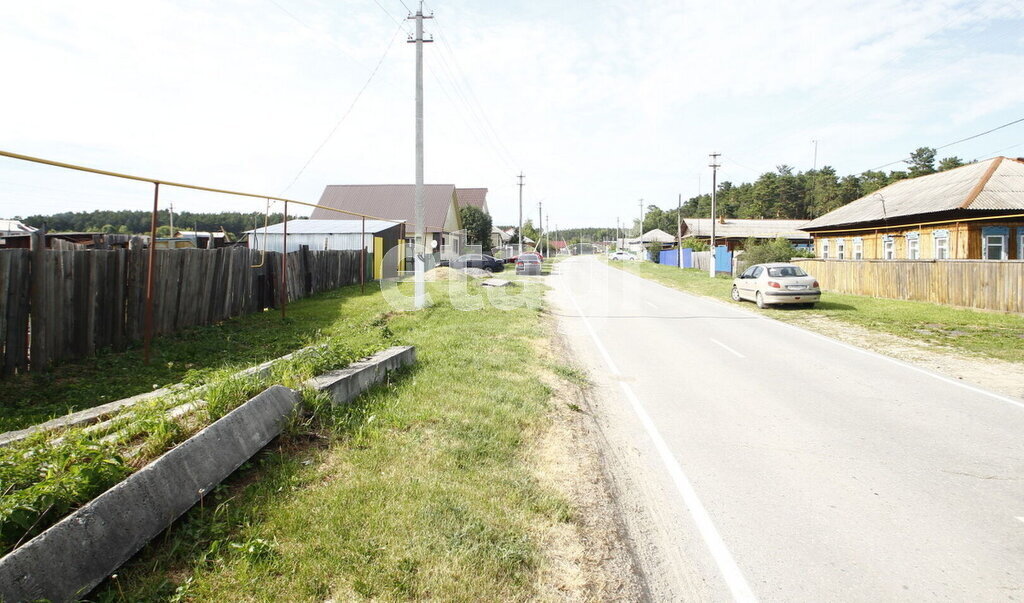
[599, 104]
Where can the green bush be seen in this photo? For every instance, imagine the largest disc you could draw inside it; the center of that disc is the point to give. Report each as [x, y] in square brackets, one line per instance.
[762, 252]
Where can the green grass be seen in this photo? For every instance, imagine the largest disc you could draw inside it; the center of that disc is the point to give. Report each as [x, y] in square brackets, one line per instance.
[423, 489]
[975, 332]
[193, 354]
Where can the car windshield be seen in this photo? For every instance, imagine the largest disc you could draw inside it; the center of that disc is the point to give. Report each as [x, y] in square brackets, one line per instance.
[780, 271]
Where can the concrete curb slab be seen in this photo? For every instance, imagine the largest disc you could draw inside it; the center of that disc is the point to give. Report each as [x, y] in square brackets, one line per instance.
[69, 559]
[344, 385]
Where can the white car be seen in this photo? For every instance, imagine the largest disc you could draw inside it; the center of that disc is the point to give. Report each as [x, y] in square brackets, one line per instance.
[621, 255]
[777, 283]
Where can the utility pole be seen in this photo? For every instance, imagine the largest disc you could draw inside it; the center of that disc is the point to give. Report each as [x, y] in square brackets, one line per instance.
[547, 233]
[521, 213]
[617, 233]
[714, 186]
[421, 235]
[640, 229]
[679, 232]
[170, 210]
[540, 221]
[815, 142]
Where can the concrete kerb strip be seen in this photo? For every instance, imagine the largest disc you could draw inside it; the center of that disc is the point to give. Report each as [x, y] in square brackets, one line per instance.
[69, 559]
[96, 413]
[345, 384]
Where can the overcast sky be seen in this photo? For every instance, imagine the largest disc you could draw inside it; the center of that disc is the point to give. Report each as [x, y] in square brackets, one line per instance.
[599, 103]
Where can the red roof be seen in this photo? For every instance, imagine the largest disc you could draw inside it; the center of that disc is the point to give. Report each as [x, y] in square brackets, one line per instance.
[388, 201]
[475, 197]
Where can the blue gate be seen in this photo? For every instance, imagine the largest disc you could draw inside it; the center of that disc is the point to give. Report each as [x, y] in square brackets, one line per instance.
[723, 259]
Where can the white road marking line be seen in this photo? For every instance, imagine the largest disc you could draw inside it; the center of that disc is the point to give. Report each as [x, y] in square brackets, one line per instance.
[943, 378]
[651, 304]
[722, 345]
[723, 558]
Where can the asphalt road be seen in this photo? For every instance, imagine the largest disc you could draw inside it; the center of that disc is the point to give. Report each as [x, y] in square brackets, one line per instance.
[754, 459]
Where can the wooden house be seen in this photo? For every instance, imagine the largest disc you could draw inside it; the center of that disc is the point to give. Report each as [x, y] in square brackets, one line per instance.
[733, 233]
[967, 213]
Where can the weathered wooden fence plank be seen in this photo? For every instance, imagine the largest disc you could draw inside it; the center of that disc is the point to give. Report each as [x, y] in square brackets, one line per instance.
[978, 284]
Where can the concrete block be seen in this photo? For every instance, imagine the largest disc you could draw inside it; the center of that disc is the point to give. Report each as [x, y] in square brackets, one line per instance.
[344, 385]
[66, 561]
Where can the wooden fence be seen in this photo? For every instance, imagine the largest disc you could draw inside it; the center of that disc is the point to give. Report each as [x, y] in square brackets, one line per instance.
[59, 304]
[986, 285]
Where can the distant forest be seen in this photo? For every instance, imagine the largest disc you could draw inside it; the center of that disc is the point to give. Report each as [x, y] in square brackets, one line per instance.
[782, 194]
[138, 222]
[790, 195]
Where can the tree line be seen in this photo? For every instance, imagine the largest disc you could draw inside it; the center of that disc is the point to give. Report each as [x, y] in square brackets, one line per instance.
[792, 195]
[138, 222]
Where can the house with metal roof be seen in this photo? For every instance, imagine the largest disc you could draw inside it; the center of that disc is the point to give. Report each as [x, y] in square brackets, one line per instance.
[971, 212]
[473, 197]
[733, 232]
[376, 237]
[398, 202]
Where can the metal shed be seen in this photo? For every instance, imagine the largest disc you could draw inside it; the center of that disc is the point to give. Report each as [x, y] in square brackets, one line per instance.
[378, 237]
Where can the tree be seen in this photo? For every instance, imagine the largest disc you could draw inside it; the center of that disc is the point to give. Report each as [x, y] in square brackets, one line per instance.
[477, 225]
[949, 163]
[762, 252]
[922, 162]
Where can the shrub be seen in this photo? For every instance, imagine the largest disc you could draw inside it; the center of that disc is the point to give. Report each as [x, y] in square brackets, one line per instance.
[762, 252]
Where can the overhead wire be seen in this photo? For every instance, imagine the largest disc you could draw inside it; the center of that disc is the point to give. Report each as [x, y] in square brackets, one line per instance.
[344, 115]
[938, 148]
[475, 106]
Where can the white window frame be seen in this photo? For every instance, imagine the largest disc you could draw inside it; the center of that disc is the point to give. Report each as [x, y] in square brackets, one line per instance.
[986, 242]
[858, 248]
[841, 249]
[888, 248]
[913, 249]
[824, 249]
[1020, 243]
[940, 244]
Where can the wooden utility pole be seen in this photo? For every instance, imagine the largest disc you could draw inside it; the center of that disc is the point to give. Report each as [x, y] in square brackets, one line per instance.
[679, 232]
[714, 186]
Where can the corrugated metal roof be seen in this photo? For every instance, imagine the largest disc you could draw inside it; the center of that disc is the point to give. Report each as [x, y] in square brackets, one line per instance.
[993, 184]
[761, 229]
[326, 227]
[476, 197]
[392, 201]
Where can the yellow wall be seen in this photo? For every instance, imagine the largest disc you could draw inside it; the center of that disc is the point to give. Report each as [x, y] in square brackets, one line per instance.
[964, 240]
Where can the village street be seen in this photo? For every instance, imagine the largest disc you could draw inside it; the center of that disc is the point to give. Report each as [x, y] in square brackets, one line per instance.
[754, 459]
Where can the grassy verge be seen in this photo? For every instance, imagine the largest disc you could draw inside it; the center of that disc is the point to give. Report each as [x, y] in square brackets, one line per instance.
[975, 332]
[423, 489]
[194, 354]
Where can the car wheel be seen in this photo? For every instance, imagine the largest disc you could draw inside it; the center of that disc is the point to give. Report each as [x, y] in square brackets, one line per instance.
[488, 269]
[760, 301]
[735, 294]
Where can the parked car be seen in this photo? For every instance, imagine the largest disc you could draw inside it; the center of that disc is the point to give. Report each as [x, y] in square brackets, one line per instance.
[478, 260]
[621, 256]
[528, 263]
[777, 283]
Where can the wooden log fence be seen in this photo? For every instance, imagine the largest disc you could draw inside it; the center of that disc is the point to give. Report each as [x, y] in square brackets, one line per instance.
[57, 305]
[981, 284]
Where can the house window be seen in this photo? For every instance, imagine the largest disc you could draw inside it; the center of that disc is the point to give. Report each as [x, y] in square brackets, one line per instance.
[994, 242]
[841, 249]
[858, 248]
[941, 238]
[1020, 243]
[913, 246]
[824, 249]
[888, 247]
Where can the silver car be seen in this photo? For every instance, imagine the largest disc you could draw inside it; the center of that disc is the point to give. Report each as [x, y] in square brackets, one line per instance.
[528, 263]
[779, 283]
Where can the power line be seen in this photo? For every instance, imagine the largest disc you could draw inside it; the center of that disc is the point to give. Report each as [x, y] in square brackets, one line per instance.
[397, 22]
[346, 114]
[908, 158]
[406, 6]
[478, 108]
